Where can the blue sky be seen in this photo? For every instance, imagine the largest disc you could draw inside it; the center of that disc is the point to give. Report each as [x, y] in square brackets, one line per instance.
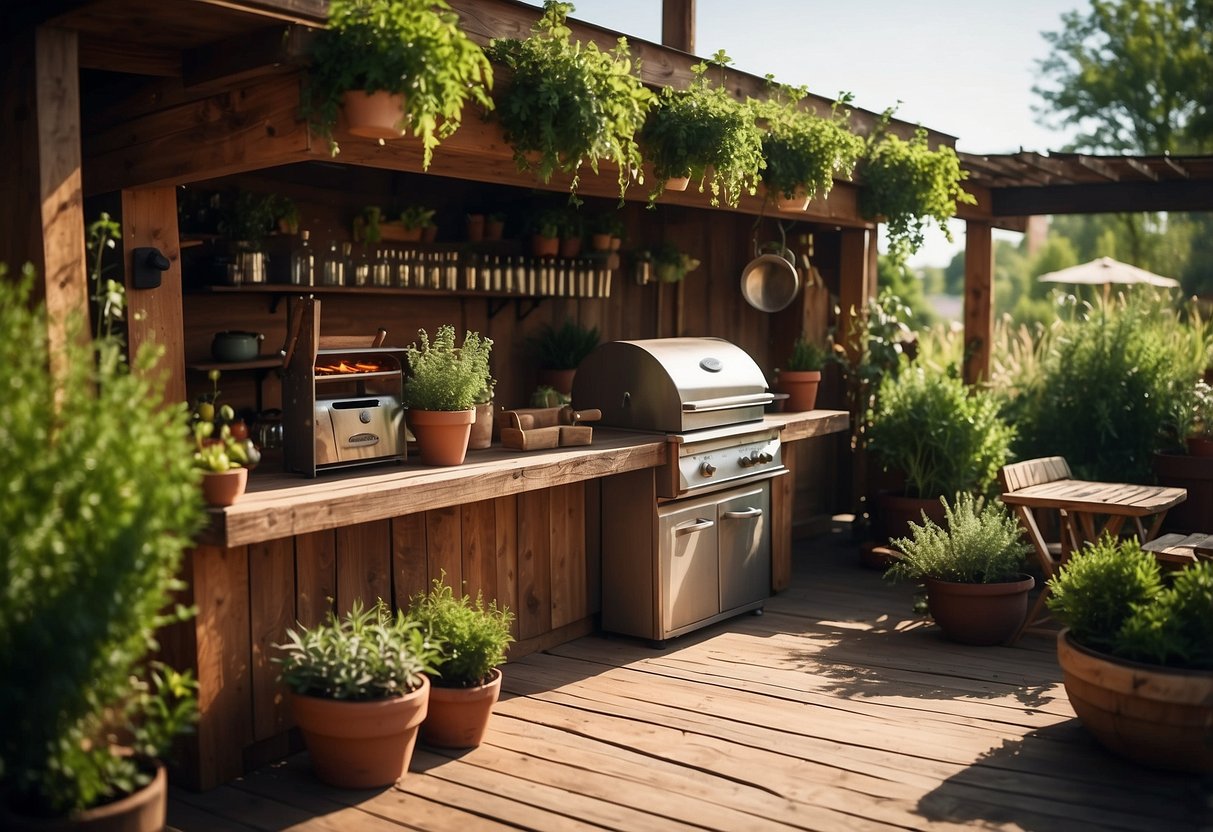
[963, 68]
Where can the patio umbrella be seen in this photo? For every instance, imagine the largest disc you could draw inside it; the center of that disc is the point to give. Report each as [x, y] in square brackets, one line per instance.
[1105, 271]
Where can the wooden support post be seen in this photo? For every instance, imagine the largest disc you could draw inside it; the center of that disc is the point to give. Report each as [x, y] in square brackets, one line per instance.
[978, 301]
[149, 219]
[42, 212]
[856, 281]
[678, 24]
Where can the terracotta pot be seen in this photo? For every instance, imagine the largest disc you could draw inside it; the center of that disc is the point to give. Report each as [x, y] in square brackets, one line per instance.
[481, 436]
[1156, 716]
[376, 115]
[442, 435]
[677, 183]
[979, 614]
[475, 228]
[224, 488]
[1200, 445]
[600, 242]
[801, 387]
[616, 243]
[493, 229]
[1195, 473]
[559, 380]
[544, 246]
[361, 745]
[570, 247]
[395, 232]
[799, 202]
[142, 811]
[459, 717]
[429, 234]
[896, 512]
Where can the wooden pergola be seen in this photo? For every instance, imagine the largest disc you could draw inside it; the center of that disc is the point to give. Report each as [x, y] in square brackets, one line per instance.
[1011, 187]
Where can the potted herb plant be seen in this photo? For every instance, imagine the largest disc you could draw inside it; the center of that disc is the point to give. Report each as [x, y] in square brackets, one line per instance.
[94, 525]
[604, 228]
[1137, 653]
[908, 185]
[494, 226]
[359, 691]
[545, 235]
[704, 134]
[569, 105]
[245, 219]
[394, 66]
[973, 569]
[803, 152]
[558, 351]
[481, 436]
[418, 222]
[671, 265]
[801, 376]
[572, 227]
[466, 683]
[944, 437]
[441, 389]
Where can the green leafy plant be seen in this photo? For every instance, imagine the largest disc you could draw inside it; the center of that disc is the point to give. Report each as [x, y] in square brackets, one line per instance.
[1192, 412]
[981, 543]
[608, 222]
[367, 225]
[417, 216]
[92, 528]
[410, 47]
[368, 653]
[806, 356]
[1131, 353]
[473, 636]
[702, 128]
[802, 151]
[1114, 599]
[562, 347]
[548, 222]
[944, 436]
[909, 185]
[443, 376]
[570, 104]
[246, 218]
[670, 264]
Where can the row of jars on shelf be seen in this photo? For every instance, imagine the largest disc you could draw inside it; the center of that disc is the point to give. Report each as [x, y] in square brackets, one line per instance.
[342, 264]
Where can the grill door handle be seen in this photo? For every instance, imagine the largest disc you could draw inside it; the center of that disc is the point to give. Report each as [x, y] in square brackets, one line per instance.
[702, 524]
[728, 402]
[744, 514]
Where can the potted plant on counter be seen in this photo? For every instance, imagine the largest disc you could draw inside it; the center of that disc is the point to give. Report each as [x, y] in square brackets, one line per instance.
[473, 638]
[801, 376]
[394, 66]
[94, 524]
[569, 105]
[973, 569]
[558, 351]
[1137, 653]
[441, 390]
[706, 135]
[671, 265]
[359, 693]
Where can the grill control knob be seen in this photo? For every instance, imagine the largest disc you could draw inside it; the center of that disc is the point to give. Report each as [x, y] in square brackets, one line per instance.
[746, 461]
[764, 458]
[707, 469]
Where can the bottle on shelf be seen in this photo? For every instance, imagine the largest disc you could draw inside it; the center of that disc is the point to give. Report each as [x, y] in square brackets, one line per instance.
[303, 262]
[332, 266]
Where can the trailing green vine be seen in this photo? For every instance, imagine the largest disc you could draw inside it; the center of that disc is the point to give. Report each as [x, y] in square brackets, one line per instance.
[804, 152]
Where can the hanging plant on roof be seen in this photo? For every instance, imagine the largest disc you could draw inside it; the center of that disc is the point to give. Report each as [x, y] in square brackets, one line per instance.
[908, 185]
[410, 49]
[570, 104]
[704, 134]
[805, 152]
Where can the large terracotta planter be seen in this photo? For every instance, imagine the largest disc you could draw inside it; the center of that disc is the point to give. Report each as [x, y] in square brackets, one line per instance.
[361, 745]
[1156, 716]
[224, 488]
[375, 115]
[142, 811]
[459, 717]
[481, 435]
[896, 512]
[442, 435]
[559, 380]
[979, 614]
[801, 387]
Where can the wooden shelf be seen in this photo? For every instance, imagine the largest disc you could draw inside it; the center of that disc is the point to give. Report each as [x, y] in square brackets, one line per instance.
[260, 363]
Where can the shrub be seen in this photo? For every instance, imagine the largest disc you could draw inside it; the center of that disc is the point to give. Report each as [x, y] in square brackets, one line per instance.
[944, 436]
[473, 637]
[1114, 598]
[563, 347]
[443, 377]
[367, 654]
[99, 498]
[980, 544]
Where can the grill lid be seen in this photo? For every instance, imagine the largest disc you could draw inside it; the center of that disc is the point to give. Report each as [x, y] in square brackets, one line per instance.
[671, 384]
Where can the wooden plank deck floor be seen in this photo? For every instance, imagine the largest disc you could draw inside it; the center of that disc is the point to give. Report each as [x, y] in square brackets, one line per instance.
[836, 710]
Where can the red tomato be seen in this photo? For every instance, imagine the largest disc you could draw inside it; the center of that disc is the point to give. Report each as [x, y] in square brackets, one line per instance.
[239, 430]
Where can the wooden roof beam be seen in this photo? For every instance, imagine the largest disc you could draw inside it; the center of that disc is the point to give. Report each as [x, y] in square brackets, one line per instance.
[678, 25]
[1096, 166]
[240, 59]
[1175, 166]
[1103, 198]
[1140, 167]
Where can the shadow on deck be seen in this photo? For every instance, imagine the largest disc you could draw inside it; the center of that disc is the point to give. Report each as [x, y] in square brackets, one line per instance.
[837, 709]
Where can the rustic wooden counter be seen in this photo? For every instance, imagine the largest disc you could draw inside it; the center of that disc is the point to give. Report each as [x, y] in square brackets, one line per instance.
[522, 528]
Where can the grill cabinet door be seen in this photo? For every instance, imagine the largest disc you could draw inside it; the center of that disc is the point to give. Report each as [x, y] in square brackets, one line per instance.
[689, 566]
[744, 523]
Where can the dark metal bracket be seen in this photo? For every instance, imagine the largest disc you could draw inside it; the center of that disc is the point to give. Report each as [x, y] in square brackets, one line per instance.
[496, 305]
[534, 303]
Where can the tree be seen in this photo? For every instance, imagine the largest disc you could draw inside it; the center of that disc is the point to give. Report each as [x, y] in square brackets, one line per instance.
[1136, 74]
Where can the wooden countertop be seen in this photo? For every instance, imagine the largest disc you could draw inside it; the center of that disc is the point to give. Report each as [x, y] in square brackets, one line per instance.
[279, 505]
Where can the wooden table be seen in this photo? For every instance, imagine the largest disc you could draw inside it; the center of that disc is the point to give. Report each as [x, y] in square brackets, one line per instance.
[1088, 511]
[1176, 551]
